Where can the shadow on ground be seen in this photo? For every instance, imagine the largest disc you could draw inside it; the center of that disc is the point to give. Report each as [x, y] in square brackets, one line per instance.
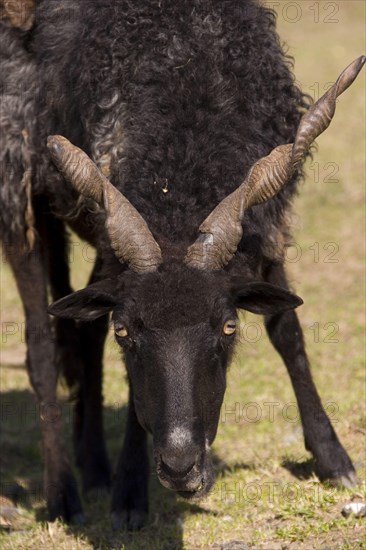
[301, 470]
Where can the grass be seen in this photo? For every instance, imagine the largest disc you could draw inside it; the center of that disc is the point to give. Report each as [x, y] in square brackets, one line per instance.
[266, 495]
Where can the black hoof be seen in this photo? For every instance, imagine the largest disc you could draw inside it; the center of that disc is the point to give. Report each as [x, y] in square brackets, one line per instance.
[63, 501]
[345, 481]
[334, 466]
[131, 520]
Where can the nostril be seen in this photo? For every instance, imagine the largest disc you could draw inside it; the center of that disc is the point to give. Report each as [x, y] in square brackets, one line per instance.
[177, 466]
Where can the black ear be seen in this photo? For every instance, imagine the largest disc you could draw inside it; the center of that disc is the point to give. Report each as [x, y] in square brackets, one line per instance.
[264, 298]
[88, 304]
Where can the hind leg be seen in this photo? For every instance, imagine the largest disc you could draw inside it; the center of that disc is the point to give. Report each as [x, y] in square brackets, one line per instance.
[80, 352]
[331, 460]
[59, 484]
[68, 355]
[91, 451]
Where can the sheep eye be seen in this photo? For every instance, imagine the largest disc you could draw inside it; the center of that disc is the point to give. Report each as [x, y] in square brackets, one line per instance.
[229, 327]
[122, 331]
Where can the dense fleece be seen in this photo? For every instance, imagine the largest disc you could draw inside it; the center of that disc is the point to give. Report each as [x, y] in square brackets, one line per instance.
[182, 96]
[18, 88]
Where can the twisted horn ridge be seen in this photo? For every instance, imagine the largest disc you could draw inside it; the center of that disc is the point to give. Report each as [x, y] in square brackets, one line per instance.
[222, 230]
[19, 13]
[130, 237]
[319, 116]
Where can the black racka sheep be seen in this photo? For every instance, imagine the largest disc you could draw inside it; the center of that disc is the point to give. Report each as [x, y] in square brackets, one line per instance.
[197, 134]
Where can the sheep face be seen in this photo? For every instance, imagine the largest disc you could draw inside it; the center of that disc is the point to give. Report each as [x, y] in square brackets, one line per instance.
[172, 332]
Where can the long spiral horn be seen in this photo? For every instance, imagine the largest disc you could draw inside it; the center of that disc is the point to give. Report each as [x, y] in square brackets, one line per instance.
[130, 237]
[221, 231]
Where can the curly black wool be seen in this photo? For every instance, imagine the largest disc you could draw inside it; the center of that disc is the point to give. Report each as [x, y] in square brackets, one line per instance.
[182, 97]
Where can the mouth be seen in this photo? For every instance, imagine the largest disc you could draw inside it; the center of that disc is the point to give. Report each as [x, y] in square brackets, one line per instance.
[194, 485]
[197, 494]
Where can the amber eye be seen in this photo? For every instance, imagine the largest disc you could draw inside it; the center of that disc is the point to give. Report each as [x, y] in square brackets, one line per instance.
[121, 331]
[229, 327]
